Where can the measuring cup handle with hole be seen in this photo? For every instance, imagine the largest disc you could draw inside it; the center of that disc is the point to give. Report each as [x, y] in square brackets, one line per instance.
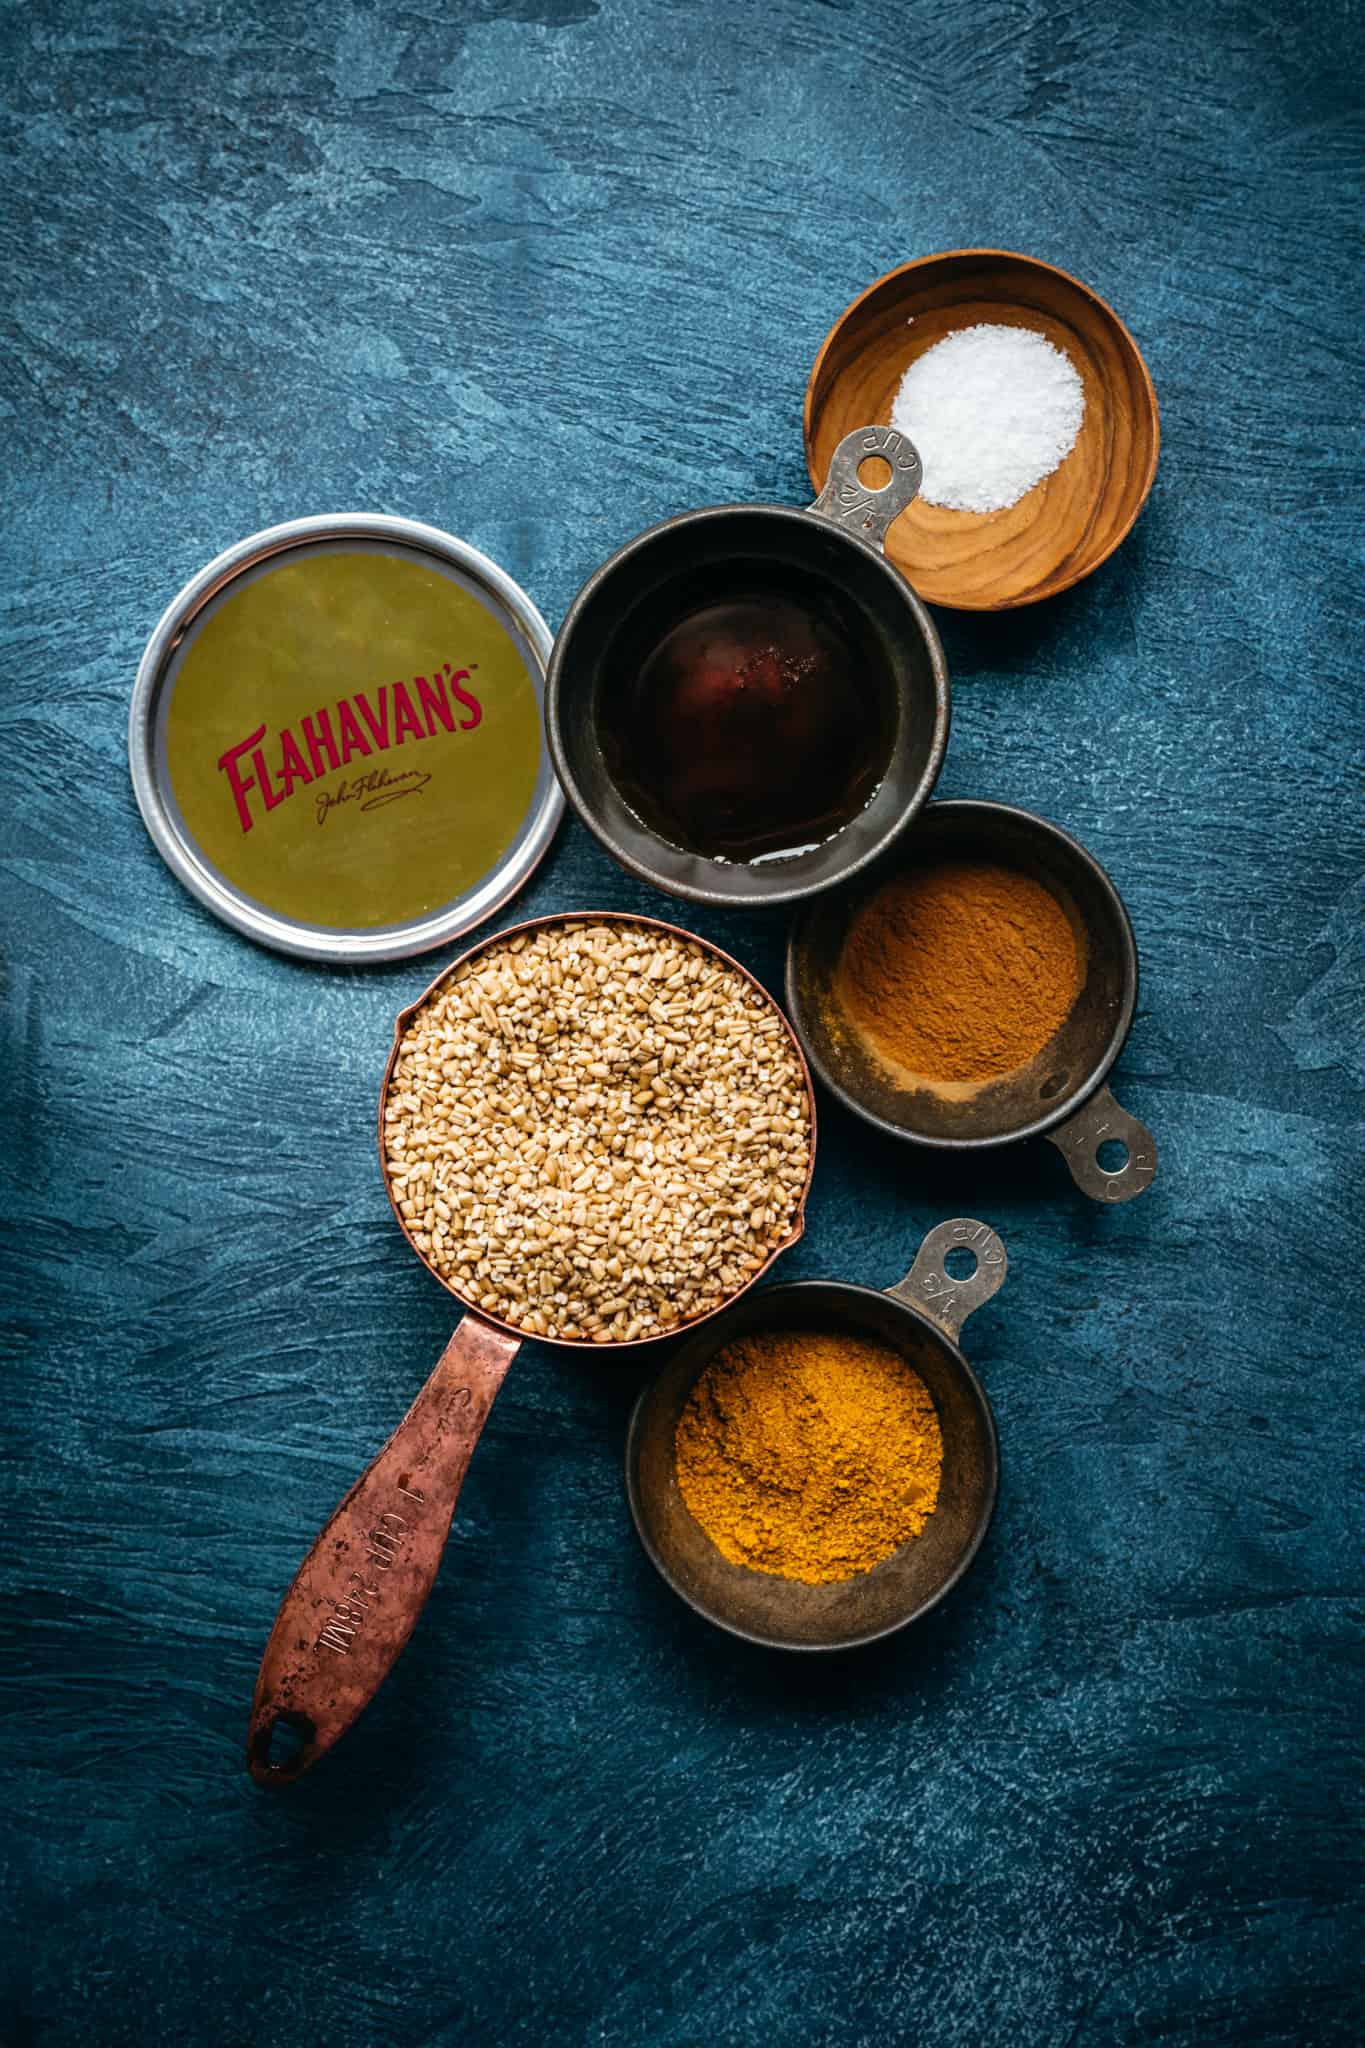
[357, 1595]
[1080, 1140]
[942, 1296]
[868, 509]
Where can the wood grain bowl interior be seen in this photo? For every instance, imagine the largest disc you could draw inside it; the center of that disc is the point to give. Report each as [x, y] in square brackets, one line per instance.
[1071, 522]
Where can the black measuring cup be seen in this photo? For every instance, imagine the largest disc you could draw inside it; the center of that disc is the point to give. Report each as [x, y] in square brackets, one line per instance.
[921, 1318]
[832, 547]
[1061, 1094]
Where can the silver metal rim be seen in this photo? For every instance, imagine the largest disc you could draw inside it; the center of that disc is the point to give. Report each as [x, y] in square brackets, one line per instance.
[282, 934]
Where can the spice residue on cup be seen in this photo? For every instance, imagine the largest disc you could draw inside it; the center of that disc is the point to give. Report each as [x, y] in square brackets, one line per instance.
[959, 972]
[809, 1455]
[991, 410]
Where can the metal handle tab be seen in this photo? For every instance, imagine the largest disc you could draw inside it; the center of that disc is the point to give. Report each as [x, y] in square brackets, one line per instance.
[869, 510]
[1079, 1140]
[932, 1289]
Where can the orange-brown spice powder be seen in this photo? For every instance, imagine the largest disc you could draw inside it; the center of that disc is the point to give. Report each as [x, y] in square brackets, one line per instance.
[961, 971]
[808, 1454]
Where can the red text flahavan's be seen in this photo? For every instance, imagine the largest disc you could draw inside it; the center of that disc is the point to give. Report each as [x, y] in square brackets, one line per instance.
[363, 724]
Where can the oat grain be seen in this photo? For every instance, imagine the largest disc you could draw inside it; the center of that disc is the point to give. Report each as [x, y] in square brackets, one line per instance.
[671, 1135]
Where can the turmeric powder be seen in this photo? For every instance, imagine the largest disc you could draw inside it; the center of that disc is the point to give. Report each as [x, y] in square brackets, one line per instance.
[809, 1455]
[960, 971]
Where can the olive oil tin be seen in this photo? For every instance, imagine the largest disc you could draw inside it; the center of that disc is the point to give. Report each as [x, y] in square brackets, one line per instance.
[337, 738]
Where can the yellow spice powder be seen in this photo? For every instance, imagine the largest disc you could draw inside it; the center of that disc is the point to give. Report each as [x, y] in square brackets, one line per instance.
[809, 1455]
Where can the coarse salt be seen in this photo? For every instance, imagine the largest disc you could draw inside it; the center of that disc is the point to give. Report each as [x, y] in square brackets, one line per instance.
[992, 411]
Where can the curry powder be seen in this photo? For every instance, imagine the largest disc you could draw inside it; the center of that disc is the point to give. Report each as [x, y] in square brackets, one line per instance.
[808, 1455]
[959, 972]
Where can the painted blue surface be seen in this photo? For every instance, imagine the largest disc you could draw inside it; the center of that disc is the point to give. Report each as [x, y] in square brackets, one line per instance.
[542, 274]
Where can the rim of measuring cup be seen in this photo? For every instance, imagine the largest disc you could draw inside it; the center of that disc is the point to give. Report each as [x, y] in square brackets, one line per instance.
[626, 917]
[1066, 1104]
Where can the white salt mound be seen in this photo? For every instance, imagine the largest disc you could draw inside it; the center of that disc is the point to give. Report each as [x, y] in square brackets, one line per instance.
[992, 411]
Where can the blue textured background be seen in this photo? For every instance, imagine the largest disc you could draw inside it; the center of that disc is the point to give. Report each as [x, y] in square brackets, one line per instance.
[542, 274]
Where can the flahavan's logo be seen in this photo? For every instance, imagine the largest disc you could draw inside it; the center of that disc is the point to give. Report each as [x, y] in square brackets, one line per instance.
[331, 738]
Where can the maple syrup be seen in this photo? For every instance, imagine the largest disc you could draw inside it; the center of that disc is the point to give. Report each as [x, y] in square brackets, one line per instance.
[756, 724]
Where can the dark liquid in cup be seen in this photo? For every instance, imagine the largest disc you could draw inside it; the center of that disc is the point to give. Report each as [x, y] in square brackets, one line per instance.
[755, 726]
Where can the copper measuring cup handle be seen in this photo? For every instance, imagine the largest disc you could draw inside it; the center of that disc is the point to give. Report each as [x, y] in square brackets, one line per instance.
[357, 1595]
[1079, 1140]
[865, 509]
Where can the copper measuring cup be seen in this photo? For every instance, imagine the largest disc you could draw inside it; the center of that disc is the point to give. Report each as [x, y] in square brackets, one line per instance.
[356, 1597]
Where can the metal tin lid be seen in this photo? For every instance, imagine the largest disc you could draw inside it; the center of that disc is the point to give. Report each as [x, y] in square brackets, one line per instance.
[337, 739]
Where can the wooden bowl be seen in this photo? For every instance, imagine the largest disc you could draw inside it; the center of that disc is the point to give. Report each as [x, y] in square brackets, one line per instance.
[1065, 526]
